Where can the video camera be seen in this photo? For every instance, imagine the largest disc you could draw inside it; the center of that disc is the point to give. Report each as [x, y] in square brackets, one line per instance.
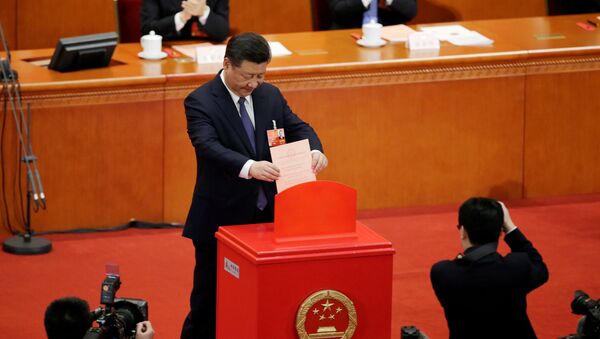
[411, 332]
[119, 317]
[588, 326]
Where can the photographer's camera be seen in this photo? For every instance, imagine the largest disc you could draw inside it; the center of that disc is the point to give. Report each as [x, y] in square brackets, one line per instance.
[120, 316]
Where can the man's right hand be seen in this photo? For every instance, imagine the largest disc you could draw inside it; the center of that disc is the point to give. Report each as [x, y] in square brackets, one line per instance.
[144, 330]
[264, 170]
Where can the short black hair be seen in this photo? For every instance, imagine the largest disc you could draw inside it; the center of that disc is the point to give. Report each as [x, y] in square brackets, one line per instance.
[67, 318]
[482, 218]
[248, 46]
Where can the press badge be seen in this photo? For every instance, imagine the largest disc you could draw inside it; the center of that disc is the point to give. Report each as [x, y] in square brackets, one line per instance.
[275, 136]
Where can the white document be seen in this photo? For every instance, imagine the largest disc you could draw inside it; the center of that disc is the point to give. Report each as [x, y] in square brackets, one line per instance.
[190, 49]
[294, 162]
[396, 33]
[472, 38]
[209, 54]
[444, 32]
[278, 49]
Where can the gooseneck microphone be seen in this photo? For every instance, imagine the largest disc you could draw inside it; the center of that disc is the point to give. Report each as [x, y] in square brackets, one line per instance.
[23, 243]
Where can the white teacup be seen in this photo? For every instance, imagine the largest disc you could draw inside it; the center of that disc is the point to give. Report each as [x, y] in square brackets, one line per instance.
[151, 44]
[372, 32]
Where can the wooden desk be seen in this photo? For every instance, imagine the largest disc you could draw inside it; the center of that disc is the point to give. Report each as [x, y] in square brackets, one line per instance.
[514, 120]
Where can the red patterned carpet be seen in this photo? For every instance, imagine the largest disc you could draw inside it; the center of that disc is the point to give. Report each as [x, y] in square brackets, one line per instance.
[157, 265]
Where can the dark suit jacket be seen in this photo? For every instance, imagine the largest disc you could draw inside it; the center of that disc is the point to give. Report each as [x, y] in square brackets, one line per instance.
[486, 298]
[349, 13]
[159, 16]
[222, 148]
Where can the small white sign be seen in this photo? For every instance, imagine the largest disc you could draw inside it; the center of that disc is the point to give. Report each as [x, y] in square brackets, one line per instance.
[232, 268]
[422, 41]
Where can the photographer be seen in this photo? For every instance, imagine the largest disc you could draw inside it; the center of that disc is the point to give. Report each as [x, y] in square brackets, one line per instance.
[483, 293]
[70, 318]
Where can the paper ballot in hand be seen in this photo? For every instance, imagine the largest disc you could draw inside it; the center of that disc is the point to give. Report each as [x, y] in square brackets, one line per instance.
[294, 161]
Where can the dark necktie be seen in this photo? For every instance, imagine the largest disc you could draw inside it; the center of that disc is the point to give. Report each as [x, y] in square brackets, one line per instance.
[261, 203]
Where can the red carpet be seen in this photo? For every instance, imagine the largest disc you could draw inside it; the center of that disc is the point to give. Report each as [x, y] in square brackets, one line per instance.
[156, 265]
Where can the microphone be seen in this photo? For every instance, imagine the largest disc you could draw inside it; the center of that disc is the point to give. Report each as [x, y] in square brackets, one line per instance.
[7, 73]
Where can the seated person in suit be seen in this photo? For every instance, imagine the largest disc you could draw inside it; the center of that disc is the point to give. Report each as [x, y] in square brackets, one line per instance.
[70, 318]
[349, 13]
[483, 293]
[562, 7]
[176, 19]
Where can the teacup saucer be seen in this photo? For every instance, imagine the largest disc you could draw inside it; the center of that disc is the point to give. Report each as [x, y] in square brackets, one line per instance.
[376, 43]
[157, 56]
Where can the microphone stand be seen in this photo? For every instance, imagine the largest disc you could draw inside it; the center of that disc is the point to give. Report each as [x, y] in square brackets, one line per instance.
[26, 243]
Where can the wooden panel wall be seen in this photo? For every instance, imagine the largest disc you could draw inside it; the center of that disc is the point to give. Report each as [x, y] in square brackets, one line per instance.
[420, 143]
[562, 154]
[100, 158]
[460, 10]
[40, 23]
[8, 11]
[266, 16]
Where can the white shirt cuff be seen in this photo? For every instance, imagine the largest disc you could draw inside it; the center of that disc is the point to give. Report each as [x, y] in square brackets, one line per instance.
[389, 2]
[204, 16]
[366, 3]
[179, 23]
[245, 172]
[511, 230]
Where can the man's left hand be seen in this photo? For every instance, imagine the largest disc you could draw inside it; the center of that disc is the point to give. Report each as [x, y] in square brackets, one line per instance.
[319, 162]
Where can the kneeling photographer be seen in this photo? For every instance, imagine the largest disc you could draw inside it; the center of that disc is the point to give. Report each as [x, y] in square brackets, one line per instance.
[121, 318]
[70, 318]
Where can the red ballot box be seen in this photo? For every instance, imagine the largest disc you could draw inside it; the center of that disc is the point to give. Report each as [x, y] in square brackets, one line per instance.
[314, 273]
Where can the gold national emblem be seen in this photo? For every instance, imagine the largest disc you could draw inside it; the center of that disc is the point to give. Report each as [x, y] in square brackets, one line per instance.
[326, 314]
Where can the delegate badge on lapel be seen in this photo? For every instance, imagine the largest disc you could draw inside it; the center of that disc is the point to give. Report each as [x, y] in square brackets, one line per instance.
[275, 136]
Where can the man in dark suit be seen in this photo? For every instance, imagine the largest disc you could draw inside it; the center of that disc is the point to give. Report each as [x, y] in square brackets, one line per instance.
[176, 19]
[349, 13]
[227, 120]
[484, 294]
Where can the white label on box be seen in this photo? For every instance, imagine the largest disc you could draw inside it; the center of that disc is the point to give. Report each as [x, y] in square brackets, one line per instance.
[422, 41]
[232, 268]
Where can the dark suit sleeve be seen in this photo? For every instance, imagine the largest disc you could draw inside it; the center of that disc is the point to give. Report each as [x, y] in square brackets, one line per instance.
[153, 18]
[217, 23]
[436, 277]
[345, 8]
[407, 9]
[202, 129]
[517, 242]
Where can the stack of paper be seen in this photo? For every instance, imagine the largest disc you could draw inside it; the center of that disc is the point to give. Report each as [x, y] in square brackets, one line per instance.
[458, 35]
[396, 33]
[471, 38]
[206, 53]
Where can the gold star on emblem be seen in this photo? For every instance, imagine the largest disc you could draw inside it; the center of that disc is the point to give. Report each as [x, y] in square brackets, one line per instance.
[338, 310]
[332, 316]
[327, 305]
[322, 317]
[315, 311]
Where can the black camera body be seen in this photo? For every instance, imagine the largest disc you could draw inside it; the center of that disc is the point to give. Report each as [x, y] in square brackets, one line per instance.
[411, 332]
[589, 325]
[119, 317]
